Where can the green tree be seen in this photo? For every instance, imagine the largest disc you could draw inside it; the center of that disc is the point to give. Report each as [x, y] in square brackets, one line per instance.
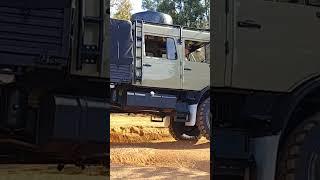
[150, 5]
[123, 10]
[191, 13]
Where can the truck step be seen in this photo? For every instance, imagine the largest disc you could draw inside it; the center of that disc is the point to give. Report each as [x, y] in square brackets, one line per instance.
[181, 117]
[156, 119]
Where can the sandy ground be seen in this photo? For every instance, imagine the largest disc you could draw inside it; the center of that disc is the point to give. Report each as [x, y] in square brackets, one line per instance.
[141, 149]
[49, 172]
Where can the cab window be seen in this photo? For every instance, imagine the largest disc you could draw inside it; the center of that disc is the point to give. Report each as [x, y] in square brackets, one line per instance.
[197, 51]
[160, 47]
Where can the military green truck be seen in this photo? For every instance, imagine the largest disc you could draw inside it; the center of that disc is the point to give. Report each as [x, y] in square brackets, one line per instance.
[266, 89]
[161, 69]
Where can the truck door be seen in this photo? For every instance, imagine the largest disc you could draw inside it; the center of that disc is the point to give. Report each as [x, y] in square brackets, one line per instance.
[160, 63]
[196, 70]
[274, 44]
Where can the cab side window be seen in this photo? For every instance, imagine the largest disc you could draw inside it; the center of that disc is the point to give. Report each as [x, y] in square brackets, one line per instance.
[197, 51]
[160, 47]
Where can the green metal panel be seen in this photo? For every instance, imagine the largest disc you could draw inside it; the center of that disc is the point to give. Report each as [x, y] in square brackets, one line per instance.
[219, 39]
[198, 77]
[279, 55]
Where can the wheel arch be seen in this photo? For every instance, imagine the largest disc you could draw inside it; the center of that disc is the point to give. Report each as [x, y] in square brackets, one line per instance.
[296, 97]
[204, 93]
[286, 114]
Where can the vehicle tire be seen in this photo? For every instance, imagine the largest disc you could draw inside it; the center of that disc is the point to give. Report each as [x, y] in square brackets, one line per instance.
[179, 131]
[204, 118]
[300, 156]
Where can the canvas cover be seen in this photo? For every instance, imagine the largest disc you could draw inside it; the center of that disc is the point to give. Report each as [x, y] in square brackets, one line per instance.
[121, 51]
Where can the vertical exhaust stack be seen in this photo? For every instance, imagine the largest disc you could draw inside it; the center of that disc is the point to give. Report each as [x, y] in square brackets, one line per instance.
[152, 17]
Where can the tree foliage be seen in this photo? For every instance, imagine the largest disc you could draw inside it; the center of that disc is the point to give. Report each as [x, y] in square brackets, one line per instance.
[123, 11]
[114, 3]
[191, 13]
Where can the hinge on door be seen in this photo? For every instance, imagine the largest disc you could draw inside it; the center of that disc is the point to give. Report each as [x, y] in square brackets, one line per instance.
[226, 46]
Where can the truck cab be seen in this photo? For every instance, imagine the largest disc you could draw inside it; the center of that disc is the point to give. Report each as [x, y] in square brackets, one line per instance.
[172, 57]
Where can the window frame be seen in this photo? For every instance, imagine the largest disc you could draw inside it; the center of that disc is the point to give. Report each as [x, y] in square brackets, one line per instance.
[175, 47]
[205, 50]
[166, 48]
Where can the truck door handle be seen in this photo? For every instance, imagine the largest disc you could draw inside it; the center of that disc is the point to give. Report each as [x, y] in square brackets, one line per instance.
[187, 69]
[318, 14]
[249, 24]
[147, 65]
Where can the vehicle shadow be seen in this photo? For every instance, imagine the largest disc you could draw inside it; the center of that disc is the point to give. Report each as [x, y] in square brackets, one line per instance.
[175, 145]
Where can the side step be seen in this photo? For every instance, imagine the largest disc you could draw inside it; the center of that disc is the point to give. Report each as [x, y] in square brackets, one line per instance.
[232, 158]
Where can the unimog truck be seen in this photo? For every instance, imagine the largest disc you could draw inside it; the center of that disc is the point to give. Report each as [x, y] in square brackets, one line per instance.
[266, 89]
[54, 81]
[161, 69]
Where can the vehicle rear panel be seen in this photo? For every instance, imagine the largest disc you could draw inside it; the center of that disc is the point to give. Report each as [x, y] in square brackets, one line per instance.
[33, 35]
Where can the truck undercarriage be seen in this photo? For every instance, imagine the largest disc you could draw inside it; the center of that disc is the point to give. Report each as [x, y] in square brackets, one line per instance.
[46, 120]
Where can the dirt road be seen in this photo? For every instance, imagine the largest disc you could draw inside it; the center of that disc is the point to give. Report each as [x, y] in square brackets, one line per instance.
[49, 172]
[141, 149]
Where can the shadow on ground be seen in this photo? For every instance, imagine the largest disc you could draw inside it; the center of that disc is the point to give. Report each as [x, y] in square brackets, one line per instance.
[175, 145]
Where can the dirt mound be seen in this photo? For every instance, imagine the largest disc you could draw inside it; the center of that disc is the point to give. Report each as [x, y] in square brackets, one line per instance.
[138, 134]
[136, 129]
[138, 144]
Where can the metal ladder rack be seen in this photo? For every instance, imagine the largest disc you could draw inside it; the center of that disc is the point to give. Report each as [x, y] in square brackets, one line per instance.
[91, 52]
[138, 50]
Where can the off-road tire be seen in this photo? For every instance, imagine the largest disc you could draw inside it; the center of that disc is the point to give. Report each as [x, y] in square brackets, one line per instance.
[203, 118]
[301, 145]
[180, 132]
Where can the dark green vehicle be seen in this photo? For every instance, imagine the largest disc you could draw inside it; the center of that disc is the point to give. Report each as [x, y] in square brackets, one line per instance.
[266, 89]
[53, 81]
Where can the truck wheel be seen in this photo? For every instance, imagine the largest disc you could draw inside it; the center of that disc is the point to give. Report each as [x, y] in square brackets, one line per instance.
[181, 132]
[300, 155]
[203, 118]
